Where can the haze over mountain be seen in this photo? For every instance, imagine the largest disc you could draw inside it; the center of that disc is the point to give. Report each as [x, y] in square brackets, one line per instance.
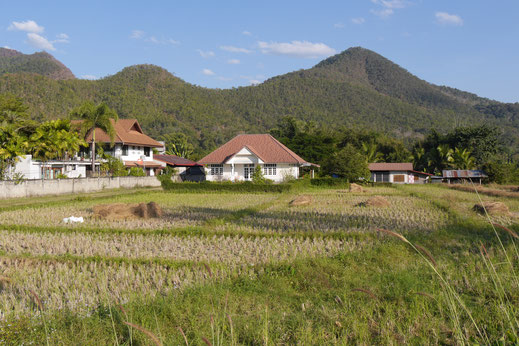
[357, 87]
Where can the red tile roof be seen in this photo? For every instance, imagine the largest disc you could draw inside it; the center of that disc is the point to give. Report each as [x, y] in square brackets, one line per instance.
[174, 160]
[382, 166]
[266, 147]
[127, 131]
[147, 164]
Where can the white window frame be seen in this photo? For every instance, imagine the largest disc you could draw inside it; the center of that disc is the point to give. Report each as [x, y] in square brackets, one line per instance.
[216, 169]
[270, 169]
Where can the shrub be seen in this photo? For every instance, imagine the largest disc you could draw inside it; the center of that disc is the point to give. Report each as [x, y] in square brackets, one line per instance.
[206, 186]
[328, 181]
[136, 172]
[257, 176]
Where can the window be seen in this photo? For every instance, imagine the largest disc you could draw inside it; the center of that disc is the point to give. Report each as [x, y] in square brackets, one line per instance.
[216, 169]
[382, 177]
[399, 178]
[269, 169]
[125, 150]
[146, 151]
[248, 171]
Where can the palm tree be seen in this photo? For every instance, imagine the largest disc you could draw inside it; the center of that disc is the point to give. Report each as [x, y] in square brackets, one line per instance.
[462, 159]
[96, 117]
[370, 150]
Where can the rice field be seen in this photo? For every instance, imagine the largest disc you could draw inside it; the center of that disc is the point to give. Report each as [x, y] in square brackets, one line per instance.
[48, 266]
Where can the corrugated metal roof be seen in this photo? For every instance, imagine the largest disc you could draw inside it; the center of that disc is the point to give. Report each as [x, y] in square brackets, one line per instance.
[464, 173]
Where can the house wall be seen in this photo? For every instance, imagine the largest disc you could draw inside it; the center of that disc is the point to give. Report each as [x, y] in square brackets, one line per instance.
[28, 188]
[134, 153]
[283, 170]
[392, 176]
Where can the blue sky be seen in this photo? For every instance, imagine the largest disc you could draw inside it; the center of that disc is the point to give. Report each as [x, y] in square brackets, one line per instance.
[467, 44]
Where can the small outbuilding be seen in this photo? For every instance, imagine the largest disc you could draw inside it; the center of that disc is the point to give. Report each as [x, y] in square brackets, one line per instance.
[397, 173]
[188, 170]
[463, 175]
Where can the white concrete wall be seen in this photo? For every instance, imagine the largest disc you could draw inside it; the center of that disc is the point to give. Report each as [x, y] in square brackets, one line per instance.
[134, 153]
[28, 188]
[282, 170]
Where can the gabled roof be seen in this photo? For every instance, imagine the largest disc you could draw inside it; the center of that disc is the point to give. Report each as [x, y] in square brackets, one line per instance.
[127, 131]
[264, 146]
[173, 160]
[382, 166]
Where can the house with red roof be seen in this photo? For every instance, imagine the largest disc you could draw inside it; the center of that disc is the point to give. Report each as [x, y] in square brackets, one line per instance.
[131, 145]
[398, 173]
[237, 159]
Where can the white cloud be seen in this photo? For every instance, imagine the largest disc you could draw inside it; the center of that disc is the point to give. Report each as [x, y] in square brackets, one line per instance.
[61, 38]
[141, 35]
[383, 13]
[39, 42]
[28, 26]
[448, 19]
[388, 7]
[88, 76]
[205, 54]
[208, 72]
[358, 20]
[338, 25]
[137, 34]
[233, 49]
[6, 47]
[254, 82]
[302, 49]
[246, 33]
[233, 61]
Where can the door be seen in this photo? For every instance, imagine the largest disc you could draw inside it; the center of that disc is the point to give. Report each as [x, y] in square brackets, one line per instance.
[248, 170]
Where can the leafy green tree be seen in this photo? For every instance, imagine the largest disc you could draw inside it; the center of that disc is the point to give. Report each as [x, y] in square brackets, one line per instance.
[12, 146]
[113, 166]
[347, 163]
[177, 144]
[94, 117]
[257, 176]
[136, 172]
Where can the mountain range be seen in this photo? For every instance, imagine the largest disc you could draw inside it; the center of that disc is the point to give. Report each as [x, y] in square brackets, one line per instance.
[355, 88]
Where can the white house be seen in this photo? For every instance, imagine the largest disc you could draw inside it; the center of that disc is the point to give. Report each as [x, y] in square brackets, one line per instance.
[398, 173]
[35, 169]
[131, 145]
[237, 159]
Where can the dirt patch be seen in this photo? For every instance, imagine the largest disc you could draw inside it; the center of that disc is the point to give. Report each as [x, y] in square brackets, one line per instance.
[122, 211]
[356, 188]
[492, 208]
[375, 201]
[300, 200]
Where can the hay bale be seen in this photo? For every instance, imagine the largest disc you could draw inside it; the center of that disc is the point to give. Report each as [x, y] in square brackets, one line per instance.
[356, 188]
[300, 200]
[121, 211]
[376, 201]
[154, 210]
[492, 208]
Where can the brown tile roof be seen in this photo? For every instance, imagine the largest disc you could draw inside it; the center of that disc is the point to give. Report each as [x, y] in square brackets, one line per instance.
[127, 131]
[147, 164]
[382, 166]
[266, 147]
[174, 160]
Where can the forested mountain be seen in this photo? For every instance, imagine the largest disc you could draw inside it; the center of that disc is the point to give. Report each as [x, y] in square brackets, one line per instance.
[356, 88]
[12, 61]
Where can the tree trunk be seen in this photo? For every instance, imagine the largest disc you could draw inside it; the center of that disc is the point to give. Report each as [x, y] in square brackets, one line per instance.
[93, 153]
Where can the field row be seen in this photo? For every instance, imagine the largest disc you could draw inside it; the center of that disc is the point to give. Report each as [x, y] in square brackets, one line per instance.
[222, 249]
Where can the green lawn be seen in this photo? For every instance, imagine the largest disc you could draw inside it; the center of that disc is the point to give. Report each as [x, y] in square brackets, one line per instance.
[239, 268]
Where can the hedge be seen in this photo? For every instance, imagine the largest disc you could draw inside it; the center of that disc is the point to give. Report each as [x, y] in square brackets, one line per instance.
[327, 181]
[168, 185]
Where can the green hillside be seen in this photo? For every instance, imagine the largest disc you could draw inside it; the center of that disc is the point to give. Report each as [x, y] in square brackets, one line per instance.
[357, 88]
[42, 63]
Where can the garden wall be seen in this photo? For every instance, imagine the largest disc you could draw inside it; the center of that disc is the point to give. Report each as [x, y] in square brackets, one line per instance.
[27, 188]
